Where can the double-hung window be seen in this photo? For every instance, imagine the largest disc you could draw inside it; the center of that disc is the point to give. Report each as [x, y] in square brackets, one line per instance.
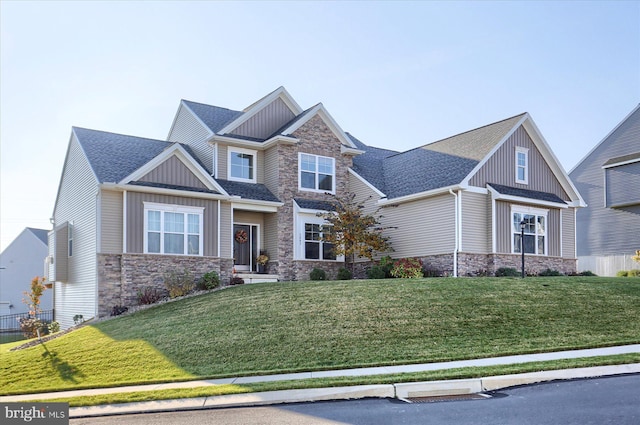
[314, 247]
[535, 231]
[522, 165]
[172, 229]
[242, 165]
[316, 173]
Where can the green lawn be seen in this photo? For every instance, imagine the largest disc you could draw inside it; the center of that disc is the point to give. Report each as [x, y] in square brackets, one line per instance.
[285, 327]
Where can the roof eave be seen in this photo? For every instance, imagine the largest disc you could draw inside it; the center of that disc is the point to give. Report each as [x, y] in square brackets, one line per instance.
[420, 195]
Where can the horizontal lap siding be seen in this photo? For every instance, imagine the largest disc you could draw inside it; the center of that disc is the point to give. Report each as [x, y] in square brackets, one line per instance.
[77, 203]
[187, 129]
[110, 222]
[475, 221]
[623, 185]
[424, 227]
[135, 219]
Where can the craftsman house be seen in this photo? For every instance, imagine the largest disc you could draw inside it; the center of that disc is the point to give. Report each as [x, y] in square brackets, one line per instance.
[228, 185]
[609, 179]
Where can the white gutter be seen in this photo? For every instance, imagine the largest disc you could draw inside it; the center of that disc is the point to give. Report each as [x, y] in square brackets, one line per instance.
[457, 219]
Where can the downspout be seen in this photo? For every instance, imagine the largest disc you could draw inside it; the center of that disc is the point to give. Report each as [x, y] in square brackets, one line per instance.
[455, 250]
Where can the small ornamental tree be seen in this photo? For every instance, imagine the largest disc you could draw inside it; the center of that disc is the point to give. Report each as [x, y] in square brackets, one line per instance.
[636, 257]
[32, 326]
[352, 232]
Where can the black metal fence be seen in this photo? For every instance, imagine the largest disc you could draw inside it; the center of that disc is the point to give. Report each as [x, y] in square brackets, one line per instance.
[11, 322]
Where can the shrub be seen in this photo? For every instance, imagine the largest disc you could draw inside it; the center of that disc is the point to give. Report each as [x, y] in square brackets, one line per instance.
[386, 263]
[634, 273]
[587, 273]
[236, 281]
[209, 280]
[179, 284]
[149, 295]
[78, 318]
[407, 268]
[117, 310]
[32, 327]
[318, 274]
[507, 272]
[344, 274]
[376, 272]
[549, 272]
[622, 273]
[53, 327]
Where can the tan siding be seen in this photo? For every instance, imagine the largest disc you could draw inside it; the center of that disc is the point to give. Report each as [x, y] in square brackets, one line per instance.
[553, 233]
[370, 198]
[503, 227]
[226, 227]
[222, 162]
[173, 171]
[187, 129]
[260, 165]
[271, 169]
[271, 235]
[61, 253]
[568, 233]
[77, 203]
[475, 222]
[500, 168]
[267, 121]
[111, 222]
[135, 219]
[424, 227]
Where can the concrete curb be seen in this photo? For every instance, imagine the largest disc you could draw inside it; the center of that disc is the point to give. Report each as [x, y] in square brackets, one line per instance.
[401, 391]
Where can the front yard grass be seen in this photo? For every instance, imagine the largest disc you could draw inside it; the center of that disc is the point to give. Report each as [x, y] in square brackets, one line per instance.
[301, 326]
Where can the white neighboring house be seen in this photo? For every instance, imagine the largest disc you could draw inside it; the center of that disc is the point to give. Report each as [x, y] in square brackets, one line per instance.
[20, 262]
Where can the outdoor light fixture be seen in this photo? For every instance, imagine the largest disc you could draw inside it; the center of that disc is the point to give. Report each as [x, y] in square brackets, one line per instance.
[522, 224]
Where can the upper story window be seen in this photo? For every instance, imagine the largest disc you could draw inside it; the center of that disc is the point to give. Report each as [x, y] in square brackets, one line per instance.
[172, 229]
[316, 173]
[535, 231]
[242, 165]
[522, 165]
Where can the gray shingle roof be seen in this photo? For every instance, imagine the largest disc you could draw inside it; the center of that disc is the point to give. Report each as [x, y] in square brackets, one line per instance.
[248, 190]
[214, 117]
[370, 163]
[525, 193]
[312, 204]
[115, 156]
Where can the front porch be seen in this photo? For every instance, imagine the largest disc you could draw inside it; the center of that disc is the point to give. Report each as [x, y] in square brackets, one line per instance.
[256, 277]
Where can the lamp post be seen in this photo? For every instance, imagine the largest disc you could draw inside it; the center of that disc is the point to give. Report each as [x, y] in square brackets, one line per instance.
[522, 224]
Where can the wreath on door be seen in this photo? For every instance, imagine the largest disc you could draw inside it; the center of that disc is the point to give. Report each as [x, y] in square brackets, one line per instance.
[241, 236]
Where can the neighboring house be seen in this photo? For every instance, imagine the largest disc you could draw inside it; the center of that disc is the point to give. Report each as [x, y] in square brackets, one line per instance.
[609, 179]
[227, 185]
[20, 262]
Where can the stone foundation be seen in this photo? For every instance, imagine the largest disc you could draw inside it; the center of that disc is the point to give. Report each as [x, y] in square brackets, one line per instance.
[121, 276]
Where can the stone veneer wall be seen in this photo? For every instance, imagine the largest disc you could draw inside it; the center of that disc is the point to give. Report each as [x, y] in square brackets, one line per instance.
[317, 139]
[483, 264]
[121, 276]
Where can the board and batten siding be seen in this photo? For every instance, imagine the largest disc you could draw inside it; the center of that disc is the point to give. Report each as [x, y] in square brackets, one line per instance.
[110, 222]
[174, 172]
[475, 221]
[501, 167]
[226, 230]
[189, 130]
[266, 122]
[423, 227]
[77, 204]
[135, 219]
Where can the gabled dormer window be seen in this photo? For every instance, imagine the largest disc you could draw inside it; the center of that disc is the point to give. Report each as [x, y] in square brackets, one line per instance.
[522, 165]
[242, 165]
[316, 173]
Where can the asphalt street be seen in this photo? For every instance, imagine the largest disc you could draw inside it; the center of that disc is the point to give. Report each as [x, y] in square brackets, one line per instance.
[611, 400]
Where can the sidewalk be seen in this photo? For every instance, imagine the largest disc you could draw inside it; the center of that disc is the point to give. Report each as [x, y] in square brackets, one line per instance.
[391, 390]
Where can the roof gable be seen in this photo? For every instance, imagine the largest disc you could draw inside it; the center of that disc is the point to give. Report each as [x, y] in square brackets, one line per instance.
[213, 117]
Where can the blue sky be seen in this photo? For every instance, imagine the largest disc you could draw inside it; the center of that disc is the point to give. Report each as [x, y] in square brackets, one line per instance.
[395, 74]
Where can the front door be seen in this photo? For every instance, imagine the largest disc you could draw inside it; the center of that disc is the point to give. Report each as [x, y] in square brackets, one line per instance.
[245, 246]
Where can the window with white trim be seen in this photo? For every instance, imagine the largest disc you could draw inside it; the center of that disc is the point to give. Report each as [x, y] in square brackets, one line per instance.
[314, 247]
[172, 229]
[316, 173]
[242, 165]
[522, 165]
[535, 230]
